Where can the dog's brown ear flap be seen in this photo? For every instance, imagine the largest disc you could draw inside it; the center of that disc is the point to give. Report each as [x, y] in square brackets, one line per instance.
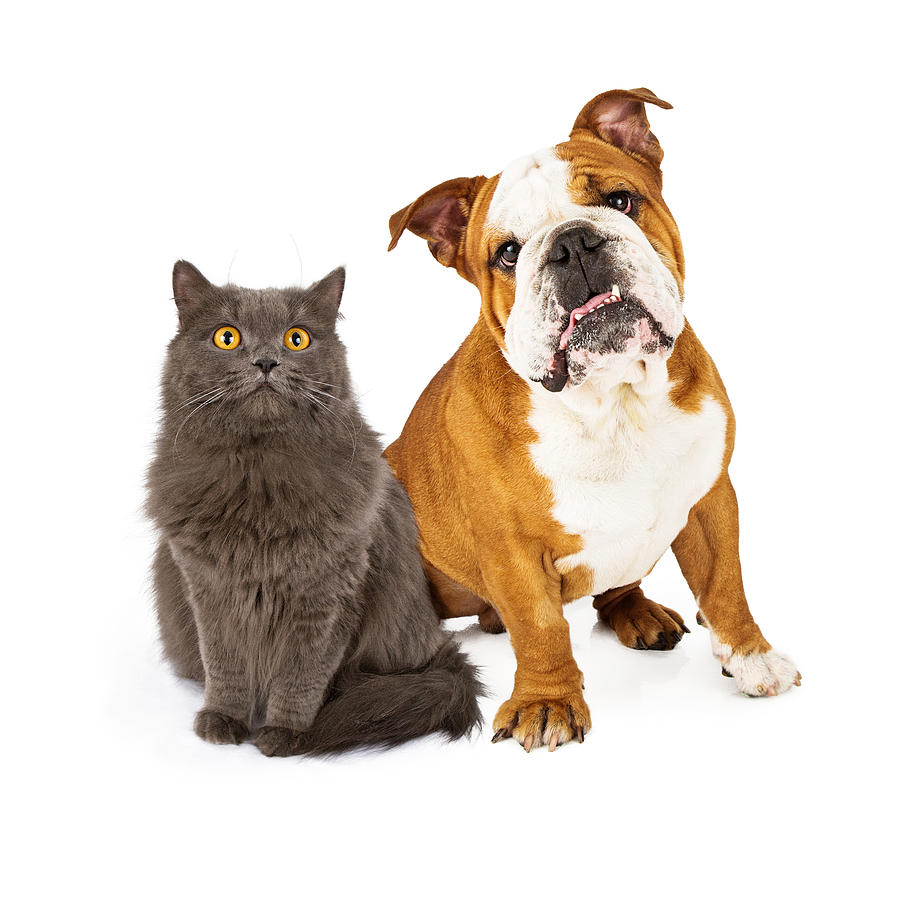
[440, 216]
[619, 118]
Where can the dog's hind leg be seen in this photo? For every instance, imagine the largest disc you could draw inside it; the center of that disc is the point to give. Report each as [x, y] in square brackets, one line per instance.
[452, 600]
[490, 621]
[639, 623]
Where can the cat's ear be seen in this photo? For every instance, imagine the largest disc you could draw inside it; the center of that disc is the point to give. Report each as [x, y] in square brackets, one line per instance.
[327, 291]
[191, 289]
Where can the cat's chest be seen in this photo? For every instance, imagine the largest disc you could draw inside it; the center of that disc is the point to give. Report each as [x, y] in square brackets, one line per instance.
[241, 512]
[625, 481]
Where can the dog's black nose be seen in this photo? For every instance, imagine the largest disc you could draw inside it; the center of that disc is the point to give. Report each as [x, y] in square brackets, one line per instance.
[574, 243]
[266, 364]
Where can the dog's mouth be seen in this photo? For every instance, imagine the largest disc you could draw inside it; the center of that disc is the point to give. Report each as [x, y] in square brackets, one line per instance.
[607, 323]
[613, 295]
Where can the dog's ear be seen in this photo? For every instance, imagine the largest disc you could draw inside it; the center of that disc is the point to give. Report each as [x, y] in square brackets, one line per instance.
[440, 216]
[619, 118]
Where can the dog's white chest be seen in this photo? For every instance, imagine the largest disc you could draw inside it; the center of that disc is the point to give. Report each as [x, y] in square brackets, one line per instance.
[625, 474]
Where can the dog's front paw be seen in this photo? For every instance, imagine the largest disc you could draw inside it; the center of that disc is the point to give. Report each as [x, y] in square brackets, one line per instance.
[273, 740]
[219, 728]
[534, 723]
[758, 674]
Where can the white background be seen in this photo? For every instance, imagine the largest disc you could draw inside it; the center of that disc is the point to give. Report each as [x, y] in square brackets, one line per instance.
[134, 135]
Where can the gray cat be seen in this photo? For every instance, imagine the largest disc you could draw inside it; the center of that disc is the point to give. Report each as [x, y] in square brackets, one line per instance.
[288, 578]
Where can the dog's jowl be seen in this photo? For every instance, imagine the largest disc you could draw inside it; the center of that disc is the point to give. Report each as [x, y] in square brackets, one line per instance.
[581, 429]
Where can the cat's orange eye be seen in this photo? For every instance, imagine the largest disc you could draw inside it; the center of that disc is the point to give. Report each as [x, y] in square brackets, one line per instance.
[227, 337]
[296, 339]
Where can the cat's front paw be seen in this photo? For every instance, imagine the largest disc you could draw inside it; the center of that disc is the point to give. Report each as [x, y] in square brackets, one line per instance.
[273, 740]
[219, 728]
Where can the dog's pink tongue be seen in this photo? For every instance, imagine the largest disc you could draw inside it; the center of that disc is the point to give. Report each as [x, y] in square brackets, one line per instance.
[576, 314]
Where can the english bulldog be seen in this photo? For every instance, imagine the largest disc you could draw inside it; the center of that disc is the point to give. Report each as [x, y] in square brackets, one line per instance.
[581, 429]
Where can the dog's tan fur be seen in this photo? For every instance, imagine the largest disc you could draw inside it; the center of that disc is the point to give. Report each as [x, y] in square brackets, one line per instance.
[488, 535]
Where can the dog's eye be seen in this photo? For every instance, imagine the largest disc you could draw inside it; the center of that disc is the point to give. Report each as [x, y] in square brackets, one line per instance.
[509, 253]
[620, 200]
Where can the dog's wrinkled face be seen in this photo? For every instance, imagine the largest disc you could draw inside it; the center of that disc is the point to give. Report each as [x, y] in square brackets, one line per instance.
[591, 294]
[575, 253]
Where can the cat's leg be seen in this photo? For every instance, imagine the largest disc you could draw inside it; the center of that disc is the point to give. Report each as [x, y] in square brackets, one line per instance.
[227, 696]
[227, 699]
[311, 650]
[177, 627]
[707, 551]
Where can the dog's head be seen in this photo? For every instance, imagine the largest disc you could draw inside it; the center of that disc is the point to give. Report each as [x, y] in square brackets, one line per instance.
[577, 258]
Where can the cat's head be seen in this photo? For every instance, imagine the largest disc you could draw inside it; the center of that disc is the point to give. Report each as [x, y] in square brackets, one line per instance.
[252, 361]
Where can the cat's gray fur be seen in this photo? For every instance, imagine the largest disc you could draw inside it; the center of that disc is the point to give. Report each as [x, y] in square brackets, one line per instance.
[288, 578]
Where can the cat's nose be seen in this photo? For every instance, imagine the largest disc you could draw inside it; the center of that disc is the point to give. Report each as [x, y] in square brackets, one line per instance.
[266, 365]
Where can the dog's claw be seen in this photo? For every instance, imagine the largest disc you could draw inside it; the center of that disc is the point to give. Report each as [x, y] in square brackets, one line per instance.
[726, 673]
[554, 740]
[529, 741]
[579, 733]
[499, 735]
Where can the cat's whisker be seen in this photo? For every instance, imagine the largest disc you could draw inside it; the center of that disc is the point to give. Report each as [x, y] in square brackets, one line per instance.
[318, 403]
[217, 413]
[196, 398]
[212, 399]
[302, 384]
[315, 400]
[340, 415]
[337, 417]
[324, 394]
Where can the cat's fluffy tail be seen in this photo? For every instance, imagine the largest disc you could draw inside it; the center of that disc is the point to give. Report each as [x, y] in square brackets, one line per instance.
[385, 710]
